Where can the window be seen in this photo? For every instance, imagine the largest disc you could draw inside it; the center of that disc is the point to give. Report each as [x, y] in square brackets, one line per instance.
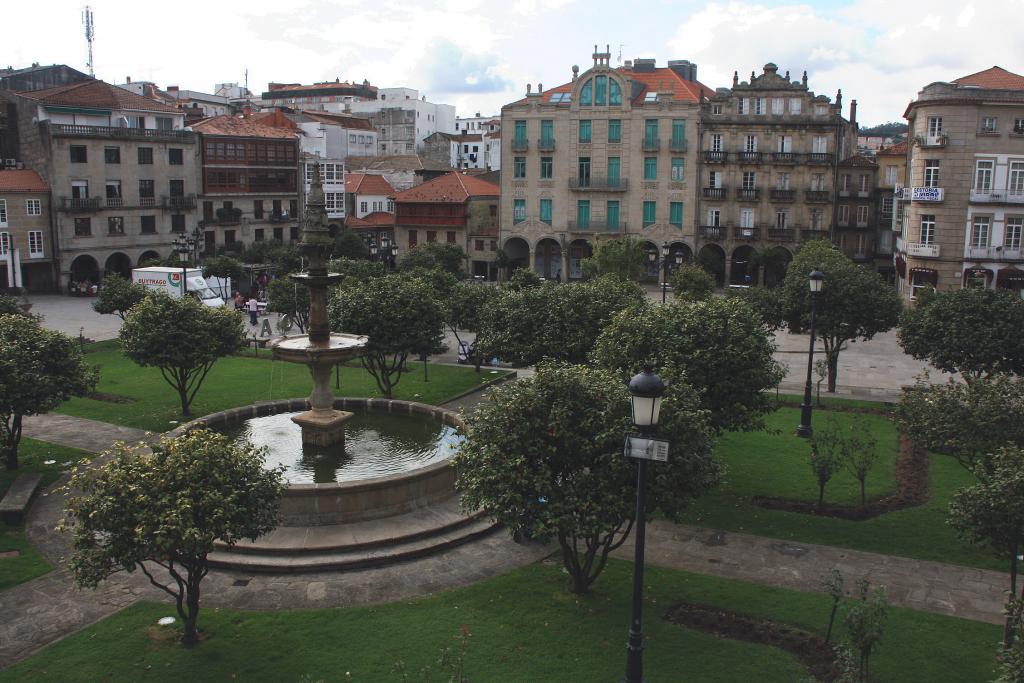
[716, 109]
[988, 124]
[363, 207]
[583, 214]
[258, 235]
[33, 207]
[111, 155]
[391, 206]
[413, 238]
[983, 176]
[146, 189]
[587, 94]
[614, 92]
[678, 132]
[583, 168]
[115, 225]
[79, 154]
[519, 167]
[5, 243]
[816, 219]
[750, 144]
[614, 130]
[79, 189]
[178, 224]
[820, 109]
[113, 193]
[675, 214]
[478, 245]
[716, 142]
[600, 88]
[785, 144]
[164, 123]
[921, 278]
[865, 182]
[650, 131]
[862, 214]
[35, 244]
[518, 210]
[585, 129]
[782, 181]
[1016, 178]
[778, 105]
[293, 207]
[1018, 126]
[819, 145]
[3, 212]
[547, 132]
[176, 188]
[781, 218]
[795, 106]
[678, 168]
[614, 167]
[546, 168]
[145, 155]
[715, 179]
[746, 218]
[818, 182]
[545, 211]
[175, 156]
[891, 175]
[650, 168]
[844, 182]
[1012, 234]
[934, 126]
[279, 234]
[742, 105]
[611, 214]
[843, 215]
[83, 227]
[431, 235]
[749, 180]
[650, 209]
[927, 229]
[147, 225]
[980, 231]
[931, 172]
[715, 218]
[520, 132]
[760, 105]
[887, 204]
[450, 237]
[257, 209]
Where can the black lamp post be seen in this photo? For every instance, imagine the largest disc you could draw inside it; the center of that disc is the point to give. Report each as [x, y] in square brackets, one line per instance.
[184, 248]
[815, 280]
[664, 263]
[646, 390]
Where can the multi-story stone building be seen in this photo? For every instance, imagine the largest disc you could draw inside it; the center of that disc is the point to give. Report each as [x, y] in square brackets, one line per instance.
[26, 247]
[964, 201]
[403, 118]
[770, 149]
[892, 176]
[122, 171]
[857, 224]
[250, 183]
[455, 209]
[606, 155]
[371, 205]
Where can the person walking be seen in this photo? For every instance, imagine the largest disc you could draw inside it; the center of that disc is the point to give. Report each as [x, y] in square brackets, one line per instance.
[254, 309]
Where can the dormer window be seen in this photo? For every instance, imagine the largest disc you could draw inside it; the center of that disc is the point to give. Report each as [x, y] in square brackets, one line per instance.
[614, 92]
[600, 88]
[651, 97]
[820, 109]
[587, 94]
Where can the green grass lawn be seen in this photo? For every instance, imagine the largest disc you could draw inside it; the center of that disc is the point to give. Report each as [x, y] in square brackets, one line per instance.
[776, 464]
[525, 627]
[32, 456]
[241, 380]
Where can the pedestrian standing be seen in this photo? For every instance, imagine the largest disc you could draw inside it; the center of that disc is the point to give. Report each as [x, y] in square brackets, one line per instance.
[254, 309]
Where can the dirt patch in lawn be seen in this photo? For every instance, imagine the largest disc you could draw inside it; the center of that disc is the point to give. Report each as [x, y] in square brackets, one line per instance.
[912, 489]
[809, 648]
[109, 398]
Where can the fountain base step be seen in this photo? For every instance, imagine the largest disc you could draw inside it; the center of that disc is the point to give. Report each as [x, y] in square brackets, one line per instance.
[356, 545]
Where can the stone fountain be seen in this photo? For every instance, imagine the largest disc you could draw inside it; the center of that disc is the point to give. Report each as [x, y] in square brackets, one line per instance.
[321, 350]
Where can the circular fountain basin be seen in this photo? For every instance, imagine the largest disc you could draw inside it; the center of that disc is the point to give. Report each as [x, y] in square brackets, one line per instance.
[396, 457]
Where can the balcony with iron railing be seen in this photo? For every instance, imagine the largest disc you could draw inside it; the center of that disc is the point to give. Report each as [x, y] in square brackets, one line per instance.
[819, 158]
[750, 157]
[594, 184]
[714, 192]
[818, 196]
[119, 133]
[146, 202]
[520, 145]
[748, 233]
[651, 144]
[179, 203]
[781, 234]
[751, 194]
[114, 202]
[813, 234]
[597, 226]
[783, 195]
[990, 196]
[931, 140]
[921, 250]
[716, 157]
[677, 145]
[546, 145]
[784, 158]
[80, 204]
[998, 253]
[712, 232]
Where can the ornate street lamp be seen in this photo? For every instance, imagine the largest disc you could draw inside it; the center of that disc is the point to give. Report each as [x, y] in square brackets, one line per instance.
[815, 280]
[183, 246]
[646, 390]
[664, 263]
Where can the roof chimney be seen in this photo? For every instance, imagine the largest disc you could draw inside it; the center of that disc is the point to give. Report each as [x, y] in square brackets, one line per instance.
[129, 80]
[172, 88]
[853, 112]
[529, 88]
[839, 100]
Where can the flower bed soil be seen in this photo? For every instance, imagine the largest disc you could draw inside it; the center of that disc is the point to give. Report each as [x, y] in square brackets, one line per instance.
[912, 489]
[810, 648]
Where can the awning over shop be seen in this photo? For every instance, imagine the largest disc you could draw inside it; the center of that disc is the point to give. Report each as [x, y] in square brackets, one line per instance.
[924, 276]
[1010, 277]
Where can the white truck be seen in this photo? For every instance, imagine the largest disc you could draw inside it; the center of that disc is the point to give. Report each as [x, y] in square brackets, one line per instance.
[170, 282]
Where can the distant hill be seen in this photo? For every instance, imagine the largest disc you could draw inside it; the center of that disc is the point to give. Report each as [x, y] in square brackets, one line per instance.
[885, 129]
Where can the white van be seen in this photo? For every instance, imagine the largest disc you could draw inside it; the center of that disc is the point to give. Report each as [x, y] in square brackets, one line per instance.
[171, 282]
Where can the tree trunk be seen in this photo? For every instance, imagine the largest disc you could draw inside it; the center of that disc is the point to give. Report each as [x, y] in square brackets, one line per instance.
[1008, 627]
[831, 621]
[183, 395]
[833, 369]
[863, 498]
[14, 438]
[821, 497]
[191, 634]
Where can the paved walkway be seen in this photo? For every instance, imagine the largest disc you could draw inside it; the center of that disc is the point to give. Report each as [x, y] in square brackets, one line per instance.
[78, 432]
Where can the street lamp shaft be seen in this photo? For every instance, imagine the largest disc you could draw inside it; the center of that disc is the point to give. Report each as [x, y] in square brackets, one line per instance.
[805, 428]
[635, 645]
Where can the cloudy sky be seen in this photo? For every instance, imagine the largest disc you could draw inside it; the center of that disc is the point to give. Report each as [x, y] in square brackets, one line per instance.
[479, 55]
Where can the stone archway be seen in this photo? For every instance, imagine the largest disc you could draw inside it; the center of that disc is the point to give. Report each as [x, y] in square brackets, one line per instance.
[744, 266]
[516, 253]
[711, 258]
[679, 249]
[119, 264]
[652, 266]
[579, 249]
[147, 257]
[547, 259]
[775, 262]
[85, 267]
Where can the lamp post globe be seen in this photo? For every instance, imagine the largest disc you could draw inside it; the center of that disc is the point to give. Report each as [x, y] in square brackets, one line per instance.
[815, 281]
[646, 390]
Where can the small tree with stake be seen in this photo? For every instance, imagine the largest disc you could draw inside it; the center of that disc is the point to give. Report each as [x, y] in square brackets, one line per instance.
[865, 622]
[142, 511]
[826, 458]
[181, 337]
[859, 455]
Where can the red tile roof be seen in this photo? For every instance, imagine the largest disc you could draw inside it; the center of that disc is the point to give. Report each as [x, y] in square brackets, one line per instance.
[239, 127]
[660, 80]
[273, 118]
[899, 149]
[22, 181]
[377, 219]
[368, 183]
[95, 94]
[451, 188]
[343, 120]
[859, 160]
[996, 78]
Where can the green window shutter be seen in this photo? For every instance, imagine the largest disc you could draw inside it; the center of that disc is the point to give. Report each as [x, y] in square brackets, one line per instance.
[649, 213]
[678, 167]
[583, 214]
[614, 166]
[518, 210]
[675, 214]
[612, 215]
[584, 130]
[650, 168]
[614, 130]
[545, 211]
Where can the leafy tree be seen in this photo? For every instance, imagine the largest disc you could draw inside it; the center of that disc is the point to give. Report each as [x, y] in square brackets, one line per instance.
[1010, 661]
[347, 244]
[172, 260]
[854, 303]
[282, 259]
[523, 278]
[167, 510]
[556, 322]
[10, 305]
[224, 267]
[709, 261]
[357, 270]
[447, 257]
[767, 303]
[624, 258]
[832, 585]
[181, 337]
[289, 298]
[859, 454]
[991, 513]
[117, 295]
[892, 128]
[465, 309]
[973, 331]
[865, 623]
[826, 458]
[399, 314]
[719, 344]
[965, 421]
[543, 455]
[692, 283]
[39, 370]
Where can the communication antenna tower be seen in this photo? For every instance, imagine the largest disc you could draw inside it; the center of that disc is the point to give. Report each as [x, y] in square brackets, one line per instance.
[621, 45]
[89, 34]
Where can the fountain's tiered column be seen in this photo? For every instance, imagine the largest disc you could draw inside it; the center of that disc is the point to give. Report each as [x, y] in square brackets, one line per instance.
[321, 350]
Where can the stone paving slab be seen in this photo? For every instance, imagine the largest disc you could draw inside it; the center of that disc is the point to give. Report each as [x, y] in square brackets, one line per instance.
[965, 592]
[79, 432]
